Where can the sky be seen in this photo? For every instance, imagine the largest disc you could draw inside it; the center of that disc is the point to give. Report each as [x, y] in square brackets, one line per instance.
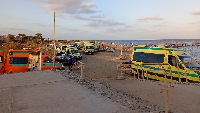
[102, 19]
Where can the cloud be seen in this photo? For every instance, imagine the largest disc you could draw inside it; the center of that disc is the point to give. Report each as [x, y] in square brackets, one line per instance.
[97, 16]
[162, 24]
[67, 6]
[156, 17]
[89, 5]
[159, 25]
[94, 22]
[112, 23]
[91, 24]
[57, 26]
[42, 25]
[114, 30]
[80, 18]
[59, 15]
[127, 26]
[70, 29]
[102, 23]
[197, 22]
[195, 13]
[14, 29]
[141, 29]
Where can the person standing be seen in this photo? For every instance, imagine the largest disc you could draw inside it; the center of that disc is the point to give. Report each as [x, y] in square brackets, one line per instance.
[102, 46]
[70, 63]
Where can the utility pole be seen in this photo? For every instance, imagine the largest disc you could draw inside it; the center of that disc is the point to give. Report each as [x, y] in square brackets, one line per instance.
[54, 44]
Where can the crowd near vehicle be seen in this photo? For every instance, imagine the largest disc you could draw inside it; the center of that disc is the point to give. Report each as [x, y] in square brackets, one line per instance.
[88, 48]
[65, 59]
[74, 52]
[172, 61]
[25, 60]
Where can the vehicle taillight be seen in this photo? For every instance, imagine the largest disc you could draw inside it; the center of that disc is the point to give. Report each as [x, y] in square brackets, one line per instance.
[65, 60]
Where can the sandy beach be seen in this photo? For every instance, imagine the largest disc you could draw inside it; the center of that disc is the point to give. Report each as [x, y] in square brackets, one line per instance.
[48, 91]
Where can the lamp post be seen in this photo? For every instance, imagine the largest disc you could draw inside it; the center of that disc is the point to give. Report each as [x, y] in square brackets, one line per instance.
[54, 44]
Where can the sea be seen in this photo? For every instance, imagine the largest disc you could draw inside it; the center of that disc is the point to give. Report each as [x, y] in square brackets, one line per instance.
[144, 42]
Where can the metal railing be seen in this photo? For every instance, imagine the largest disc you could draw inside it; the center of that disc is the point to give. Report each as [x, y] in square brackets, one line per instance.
[178, 64]
[160, 65]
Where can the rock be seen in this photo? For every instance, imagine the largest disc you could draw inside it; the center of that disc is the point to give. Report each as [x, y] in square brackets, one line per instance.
[120, 78]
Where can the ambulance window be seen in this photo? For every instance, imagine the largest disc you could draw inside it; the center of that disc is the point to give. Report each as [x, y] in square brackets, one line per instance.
[172, 60]
[1, 59]
[140, 57]
[19, 60]
[156, 58]
[89, 47]
[47, 60]
[148, 57]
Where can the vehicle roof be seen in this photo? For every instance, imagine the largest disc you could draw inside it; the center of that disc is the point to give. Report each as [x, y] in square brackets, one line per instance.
[62, 44]
[159, 48]
[89, 44]
[72, 48]
[24, 50]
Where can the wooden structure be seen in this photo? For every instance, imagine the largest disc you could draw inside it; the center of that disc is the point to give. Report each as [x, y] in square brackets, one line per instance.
[81, 79]
[166, 90]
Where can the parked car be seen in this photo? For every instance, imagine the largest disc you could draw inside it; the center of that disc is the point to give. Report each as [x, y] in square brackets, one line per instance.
[60, 55]
[65, 59]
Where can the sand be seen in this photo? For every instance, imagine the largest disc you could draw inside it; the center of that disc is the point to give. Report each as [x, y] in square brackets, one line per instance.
[50, 92]
[102, 67]
[47, 91]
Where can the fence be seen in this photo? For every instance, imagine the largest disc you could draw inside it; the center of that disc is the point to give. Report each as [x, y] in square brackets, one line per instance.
[125, 68]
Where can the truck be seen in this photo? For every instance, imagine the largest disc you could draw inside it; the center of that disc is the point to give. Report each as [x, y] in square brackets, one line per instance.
[63, 46]
[74, 52]
[173, 63]
[88, 48]
[26, 60]
[96, 44]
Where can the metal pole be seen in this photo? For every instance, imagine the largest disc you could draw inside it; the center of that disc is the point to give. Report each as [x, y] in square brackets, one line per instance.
[54, 44]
